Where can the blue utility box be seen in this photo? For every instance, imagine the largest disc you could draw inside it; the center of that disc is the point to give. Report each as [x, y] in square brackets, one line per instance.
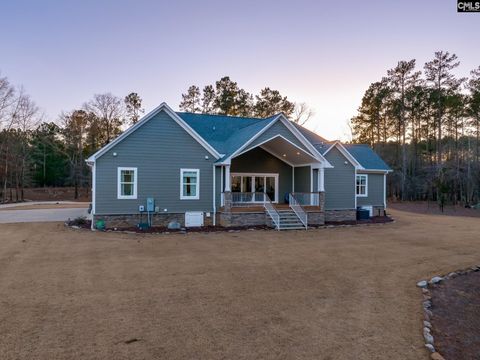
[150, 204]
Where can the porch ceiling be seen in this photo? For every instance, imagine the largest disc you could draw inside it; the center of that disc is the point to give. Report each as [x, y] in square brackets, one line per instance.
[288, 152]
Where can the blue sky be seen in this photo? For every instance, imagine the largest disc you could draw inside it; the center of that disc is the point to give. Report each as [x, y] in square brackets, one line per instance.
[325, 53]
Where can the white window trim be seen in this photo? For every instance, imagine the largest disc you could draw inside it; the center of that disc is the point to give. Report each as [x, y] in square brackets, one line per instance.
[366, 185]
[119, 184]
[184, 197]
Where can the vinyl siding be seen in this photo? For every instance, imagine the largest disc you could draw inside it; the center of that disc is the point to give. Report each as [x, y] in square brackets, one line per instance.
[260, 161]
[277, 129]
[159, 149]
[375, 191]
[339, 182]
[302, 179]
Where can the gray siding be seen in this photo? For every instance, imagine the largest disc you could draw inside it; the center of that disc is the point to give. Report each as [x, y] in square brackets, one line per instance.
[277, 129]
[260, 161]
[159, 149]
[339, 182]
[302, 179]
[375, 191]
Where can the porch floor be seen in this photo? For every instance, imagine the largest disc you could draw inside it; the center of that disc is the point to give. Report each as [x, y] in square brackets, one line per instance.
[260, 208]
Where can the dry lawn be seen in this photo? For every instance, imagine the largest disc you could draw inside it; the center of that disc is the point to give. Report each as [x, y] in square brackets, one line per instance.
[335, 293]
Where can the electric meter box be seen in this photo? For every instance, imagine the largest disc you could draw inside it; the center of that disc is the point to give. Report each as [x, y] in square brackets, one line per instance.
[150, 204]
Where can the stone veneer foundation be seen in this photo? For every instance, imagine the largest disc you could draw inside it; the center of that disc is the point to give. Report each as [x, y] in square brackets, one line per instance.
[340, 215]
[120, 221]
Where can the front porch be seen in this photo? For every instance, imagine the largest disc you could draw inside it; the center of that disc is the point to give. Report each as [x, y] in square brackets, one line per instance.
[275, 183]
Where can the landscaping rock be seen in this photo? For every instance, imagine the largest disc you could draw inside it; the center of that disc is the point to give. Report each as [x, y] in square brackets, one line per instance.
[427, 304]
[436, 356]
[435, 280]
[430, 348]
[453, 275]
[428, 337]
[174, 225]
[422, 284]
[427, 324]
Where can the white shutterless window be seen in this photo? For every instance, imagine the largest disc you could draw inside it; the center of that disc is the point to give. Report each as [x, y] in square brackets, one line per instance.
[189, 184]
[127, 183]
[362, 185]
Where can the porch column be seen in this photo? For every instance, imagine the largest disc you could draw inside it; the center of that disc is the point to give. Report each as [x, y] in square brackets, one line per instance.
[227, 178]
[321, 179]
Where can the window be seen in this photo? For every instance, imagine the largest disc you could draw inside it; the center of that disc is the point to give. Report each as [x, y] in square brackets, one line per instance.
[127, 183]
[362, 185]
[189, 184]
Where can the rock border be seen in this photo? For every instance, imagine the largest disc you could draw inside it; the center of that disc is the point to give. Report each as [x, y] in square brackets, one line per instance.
[425, 285]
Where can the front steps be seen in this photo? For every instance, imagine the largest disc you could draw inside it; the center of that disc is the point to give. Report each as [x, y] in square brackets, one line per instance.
[290, 221]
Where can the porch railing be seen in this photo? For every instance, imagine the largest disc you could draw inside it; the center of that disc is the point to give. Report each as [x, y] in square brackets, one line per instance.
[271, 211]
[297, 208]
[246, 199]
[307, 198]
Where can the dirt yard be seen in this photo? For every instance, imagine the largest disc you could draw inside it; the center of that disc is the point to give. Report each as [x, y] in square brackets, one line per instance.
[334, 293]
[423, 207]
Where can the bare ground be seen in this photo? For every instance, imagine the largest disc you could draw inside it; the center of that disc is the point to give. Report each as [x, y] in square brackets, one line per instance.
[424, 207]
[334, 293]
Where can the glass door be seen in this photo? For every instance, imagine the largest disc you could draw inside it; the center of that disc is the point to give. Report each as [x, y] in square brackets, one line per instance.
[270, 187]
[259, 189]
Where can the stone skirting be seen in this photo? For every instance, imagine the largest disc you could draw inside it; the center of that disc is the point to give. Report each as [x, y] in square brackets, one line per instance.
[254, 218]
[315, 218]
[340, 215]
[161, 219]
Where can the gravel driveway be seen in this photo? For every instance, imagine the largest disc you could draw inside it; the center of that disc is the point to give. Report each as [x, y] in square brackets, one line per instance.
[44, 212]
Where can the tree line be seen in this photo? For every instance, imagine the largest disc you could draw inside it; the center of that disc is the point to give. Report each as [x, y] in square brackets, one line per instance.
[227, 98]
[35, 152]
[426, 125]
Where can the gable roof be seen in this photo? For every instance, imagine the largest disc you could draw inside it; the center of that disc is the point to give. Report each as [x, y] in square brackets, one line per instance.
[163, 106]
[368, 158]
[225, 133]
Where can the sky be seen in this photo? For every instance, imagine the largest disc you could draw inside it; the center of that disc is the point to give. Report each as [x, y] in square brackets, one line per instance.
[324, 53]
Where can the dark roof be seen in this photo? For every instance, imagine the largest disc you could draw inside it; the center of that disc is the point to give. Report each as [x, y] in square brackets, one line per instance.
[368, 158]
[226, 134]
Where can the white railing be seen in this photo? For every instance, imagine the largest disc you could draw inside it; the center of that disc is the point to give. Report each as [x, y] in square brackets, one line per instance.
[245, 199]
[307, 198]
[297, 208]
[271, 211]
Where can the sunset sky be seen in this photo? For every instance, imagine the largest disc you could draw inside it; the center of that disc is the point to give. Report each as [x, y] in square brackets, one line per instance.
[325, 53]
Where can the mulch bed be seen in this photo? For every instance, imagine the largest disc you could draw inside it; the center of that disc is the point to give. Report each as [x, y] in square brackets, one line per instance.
[372, 220]
[86, 224]
[456, 317]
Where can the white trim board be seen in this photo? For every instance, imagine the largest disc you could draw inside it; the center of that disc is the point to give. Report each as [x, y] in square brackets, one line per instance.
[345, 153]
[294, 131]
[163, 106]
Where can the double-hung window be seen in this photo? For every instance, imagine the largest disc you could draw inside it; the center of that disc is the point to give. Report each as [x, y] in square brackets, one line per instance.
[127, 183]
[362, 185]
[189, 184]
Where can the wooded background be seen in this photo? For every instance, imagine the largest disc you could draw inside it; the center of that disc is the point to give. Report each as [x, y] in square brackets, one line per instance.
[425, 125]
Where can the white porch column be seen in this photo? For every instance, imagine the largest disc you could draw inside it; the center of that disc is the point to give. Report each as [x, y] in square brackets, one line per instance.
[321, 179]
[227, 178]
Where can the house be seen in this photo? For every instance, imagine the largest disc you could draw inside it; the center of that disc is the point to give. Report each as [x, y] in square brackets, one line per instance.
[199, 169]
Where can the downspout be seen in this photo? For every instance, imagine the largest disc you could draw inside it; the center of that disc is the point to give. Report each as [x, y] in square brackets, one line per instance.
[385, 191]
[214, 197]
[92, 165]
